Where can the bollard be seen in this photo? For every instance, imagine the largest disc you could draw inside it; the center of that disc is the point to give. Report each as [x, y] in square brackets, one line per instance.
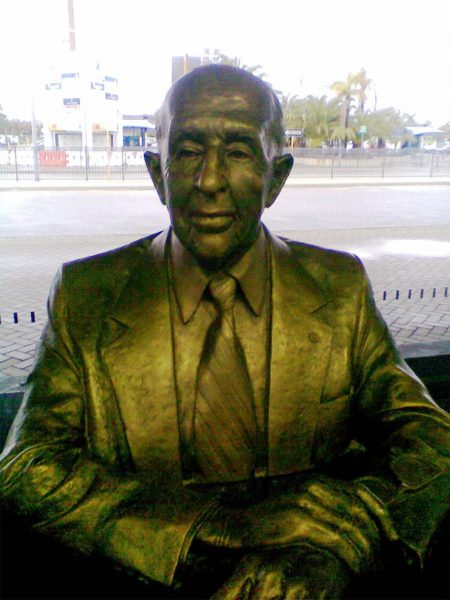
[36, 163]
[15, 163]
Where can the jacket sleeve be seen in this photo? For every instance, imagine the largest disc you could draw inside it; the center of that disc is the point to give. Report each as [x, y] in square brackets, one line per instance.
[406, 433]
[51, 479]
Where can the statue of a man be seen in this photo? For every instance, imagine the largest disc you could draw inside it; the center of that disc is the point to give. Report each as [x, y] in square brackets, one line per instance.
[196, 393]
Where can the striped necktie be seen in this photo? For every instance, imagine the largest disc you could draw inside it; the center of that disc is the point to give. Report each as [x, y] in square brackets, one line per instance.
[225, 423]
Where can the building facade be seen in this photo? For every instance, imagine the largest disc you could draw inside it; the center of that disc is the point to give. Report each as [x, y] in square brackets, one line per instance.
[81, 107]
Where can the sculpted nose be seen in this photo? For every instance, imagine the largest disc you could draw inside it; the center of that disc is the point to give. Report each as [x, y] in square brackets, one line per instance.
[211, 179]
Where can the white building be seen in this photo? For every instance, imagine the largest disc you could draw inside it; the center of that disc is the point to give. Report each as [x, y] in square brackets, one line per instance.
[81, 106]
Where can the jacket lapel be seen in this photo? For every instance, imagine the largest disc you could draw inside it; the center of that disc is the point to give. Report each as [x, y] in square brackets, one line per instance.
[137, 349]
[301, 343]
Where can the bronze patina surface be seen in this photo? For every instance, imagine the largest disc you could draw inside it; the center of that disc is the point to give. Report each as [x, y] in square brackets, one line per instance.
[104, 454]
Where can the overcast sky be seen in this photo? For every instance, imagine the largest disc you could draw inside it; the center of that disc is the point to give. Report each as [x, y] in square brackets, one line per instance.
[303, 46]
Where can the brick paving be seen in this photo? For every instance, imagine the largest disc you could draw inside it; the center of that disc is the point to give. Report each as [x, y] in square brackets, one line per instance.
[411, 293]
[409, 268]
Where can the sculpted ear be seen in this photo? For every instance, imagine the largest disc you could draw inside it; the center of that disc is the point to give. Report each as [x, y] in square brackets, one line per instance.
[281, 167]
[153, 163]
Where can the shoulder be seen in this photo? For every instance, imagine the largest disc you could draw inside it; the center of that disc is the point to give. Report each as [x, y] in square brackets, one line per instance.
[107, 268]
[99, 279]
[334, 275]
[338, 278]
[323, 262]
[122, 256]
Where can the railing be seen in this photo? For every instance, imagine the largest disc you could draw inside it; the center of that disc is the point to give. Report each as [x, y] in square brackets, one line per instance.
[18, 163]
[330, 162]
[80, 163]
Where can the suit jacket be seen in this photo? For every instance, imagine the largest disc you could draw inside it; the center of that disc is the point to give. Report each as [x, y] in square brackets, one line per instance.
[93, 456]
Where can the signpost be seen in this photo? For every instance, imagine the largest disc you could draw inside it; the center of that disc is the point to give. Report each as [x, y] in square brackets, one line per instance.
[293, 133]
[362, 131]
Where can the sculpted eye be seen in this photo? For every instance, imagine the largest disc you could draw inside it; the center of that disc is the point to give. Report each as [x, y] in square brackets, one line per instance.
[188, 152]
[239, 154]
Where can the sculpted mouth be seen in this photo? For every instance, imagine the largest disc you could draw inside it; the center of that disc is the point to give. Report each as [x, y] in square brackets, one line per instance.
[213, 222]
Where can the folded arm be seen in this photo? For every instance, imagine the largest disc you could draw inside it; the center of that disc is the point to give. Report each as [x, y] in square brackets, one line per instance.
[395, 504]
[54, 475]
[405, 432]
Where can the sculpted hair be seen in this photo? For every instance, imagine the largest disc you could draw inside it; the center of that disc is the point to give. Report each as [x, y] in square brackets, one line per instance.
[223, 76]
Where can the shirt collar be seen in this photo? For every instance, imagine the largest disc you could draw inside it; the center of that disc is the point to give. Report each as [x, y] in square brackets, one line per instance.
[190, 280]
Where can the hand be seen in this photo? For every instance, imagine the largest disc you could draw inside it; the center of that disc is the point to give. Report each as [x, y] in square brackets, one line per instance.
[293, 574]
[328, 514]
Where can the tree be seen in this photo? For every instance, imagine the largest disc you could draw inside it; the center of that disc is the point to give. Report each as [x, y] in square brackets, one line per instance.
[321, 119]
[17, 127]
[446, 129]
[3, 121]
[352, 89]
[236, 62]
[344, 93]
[316, 117]
[387, 124]
[361, 83]
[285, 100]
[293, 112]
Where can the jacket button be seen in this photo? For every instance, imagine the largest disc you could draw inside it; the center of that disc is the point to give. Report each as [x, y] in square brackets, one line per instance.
[313, 337]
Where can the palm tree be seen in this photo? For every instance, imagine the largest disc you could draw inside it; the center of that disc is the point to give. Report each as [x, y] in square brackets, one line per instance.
[3, 121]
[316, 117]
[387, 124]
[344, 92]
[236, 62]
[360, 84]
[285, 99]
[293, 112]
[354, 88]
[446, 129]
[321, 118]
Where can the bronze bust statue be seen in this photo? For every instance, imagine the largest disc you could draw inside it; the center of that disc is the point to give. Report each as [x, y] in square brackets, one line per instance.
[196, 394]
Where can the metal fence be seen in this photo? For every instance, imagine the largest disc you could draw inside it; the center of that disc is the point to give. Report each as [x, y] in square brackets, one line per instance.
[330, 162]
[18, 163]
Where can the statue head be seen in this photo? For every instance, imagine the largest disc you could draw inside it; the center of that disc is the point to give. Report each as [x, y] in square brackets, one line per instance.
[220, 164]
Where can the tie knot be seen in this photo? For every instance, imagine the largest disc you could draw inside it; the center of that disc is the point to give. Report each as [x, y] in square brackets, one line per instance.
[223, 291]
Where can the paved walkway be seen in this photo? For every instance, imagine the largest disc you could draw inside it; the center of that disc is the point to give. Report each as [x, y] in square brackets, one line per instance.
[145, 184]
[411, 290]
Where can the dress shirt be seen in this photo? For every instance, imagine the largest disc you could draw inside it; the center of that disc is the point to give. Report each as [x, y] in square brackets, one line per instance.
[193, 311]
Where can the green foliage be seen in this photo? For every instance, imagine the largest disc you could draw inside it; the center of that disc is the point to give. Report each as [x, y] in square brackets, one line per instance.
[236, 62]
[3, 121]
[17, 127]
[351, 95]
[338, 120]
[446, 129]
[385, 125]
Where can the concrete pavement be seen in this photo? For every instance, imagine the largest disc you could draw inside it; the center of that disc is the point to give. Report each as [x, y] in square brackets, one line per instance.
[411, 288]
[145, 184]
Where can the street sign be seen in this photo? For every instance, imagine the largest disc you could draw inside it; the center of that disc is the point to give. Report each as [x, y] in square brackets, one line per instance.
[363, 129]
[293, 133]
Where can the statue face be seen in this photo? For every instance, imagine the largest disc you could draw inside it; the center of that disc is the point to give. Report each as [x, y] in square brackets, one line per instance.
[216, 172]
